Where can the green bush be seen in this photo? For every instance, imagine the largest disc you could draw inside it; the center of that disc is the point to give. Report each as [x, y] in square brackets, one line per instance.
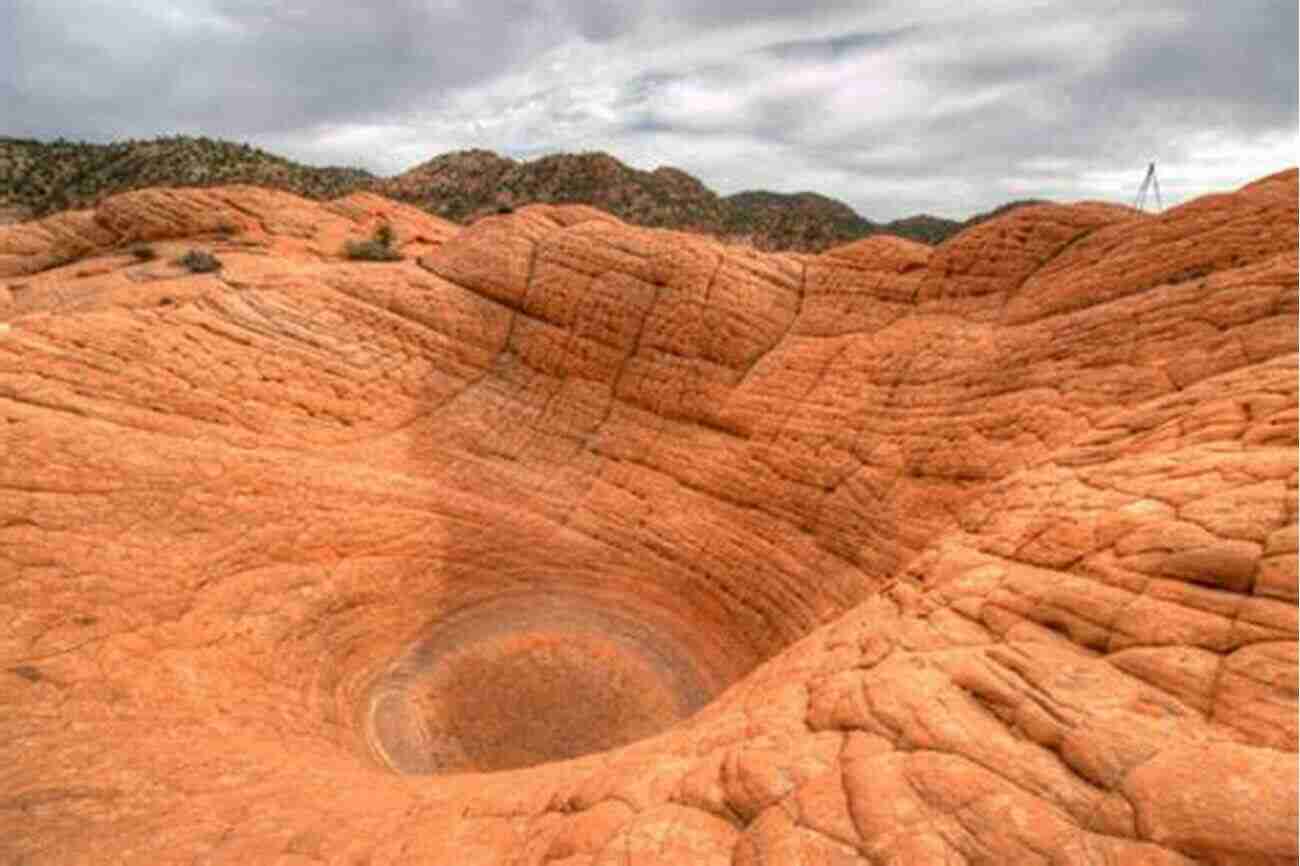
[378, 249]
[199, 262]
[371, 251]
[61, 259]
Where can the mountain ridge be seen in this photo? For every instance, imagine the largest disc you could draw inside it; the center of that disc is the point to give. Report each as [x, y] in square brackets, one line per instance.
[38, 178]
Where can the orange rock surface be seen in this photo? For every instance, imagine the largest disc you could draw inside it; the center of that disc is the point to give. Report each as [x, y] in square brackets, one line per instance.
[566, 542]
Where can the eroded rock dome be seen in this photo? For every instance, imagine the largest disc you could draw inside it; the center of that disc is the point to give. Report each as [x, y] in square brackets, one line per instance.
[563, 541]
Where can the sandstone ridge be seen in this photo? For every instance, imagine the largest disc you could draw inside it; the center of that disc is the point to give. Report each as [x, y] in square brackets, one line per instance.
[562, 541]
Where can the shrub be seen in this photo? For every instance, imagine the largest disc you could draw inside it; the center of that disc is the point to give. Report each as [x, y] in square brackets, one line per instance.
[378, 249]
[371, 251]
[199, 262]
[58, 260]
[144, 253]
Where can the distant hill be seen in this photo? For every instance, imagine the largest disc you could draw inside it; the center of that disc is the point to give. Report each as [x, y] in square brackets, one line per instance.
[463, 185]
[802, 220]
[1001, 209]
[39, 178]
[924, 228]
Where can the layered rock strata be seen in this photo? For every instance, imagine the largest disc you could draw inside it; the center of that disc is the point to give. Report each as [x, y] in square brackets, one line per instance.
[562, 541]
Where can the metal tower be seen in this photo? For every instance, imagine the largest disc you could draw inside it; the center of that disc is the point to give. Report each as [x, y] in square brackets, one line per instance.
[1148, 183]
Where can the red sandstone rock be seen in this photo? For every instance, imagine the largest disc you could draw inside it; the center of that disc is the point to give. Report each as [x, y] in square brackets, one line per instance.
[981, 554]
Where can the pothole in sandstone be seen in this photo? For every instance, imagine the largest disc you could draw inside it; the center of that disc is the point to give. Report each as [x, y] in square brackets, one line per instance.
[534, 677]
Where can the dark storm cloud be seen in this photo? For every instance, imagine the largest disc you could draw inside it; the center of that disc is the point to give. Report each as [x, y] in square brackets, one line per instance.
[1222, 68]
[600, 22]
[720, 12]
[1224, 62]
[241, 66]
[835, 47]
[1015, 66]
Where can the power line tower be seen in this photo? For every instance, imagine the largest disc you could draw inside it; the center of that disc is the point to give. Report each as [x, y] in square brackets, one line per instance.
[1149, 183]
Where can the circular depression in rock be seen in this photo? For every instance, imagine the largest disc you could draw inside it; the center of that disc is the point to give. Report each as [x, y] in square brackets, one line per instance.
[534, 677]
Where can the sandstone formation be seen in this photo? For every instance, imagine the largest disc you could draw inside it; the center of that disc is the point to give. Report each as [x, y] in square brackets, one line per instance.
[566, 542]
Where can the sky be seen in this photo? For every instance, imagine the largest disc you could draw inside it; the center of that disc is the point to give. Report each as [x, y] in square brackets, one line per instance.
[894, 107]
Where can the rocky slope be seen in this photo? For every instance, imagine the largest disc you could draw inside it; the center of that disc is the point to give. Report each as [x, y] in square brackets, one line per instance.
[983, 553]
[37, 179]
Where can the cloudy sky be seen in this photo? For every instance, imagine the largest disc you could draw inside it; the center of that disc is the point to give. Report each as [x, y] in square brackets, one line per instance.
[894, 106]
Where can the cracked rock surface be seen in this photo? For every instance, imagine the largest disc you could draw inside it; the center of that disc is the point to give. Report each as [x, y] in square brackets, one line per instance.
[566, 542]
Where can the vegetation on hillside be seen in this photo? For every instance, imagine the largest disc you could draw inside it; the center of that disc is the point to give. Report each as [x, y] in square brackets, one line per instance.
[39, 178]
[467, 184]
[1001, 210]
[379, 248]
[199, 262]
